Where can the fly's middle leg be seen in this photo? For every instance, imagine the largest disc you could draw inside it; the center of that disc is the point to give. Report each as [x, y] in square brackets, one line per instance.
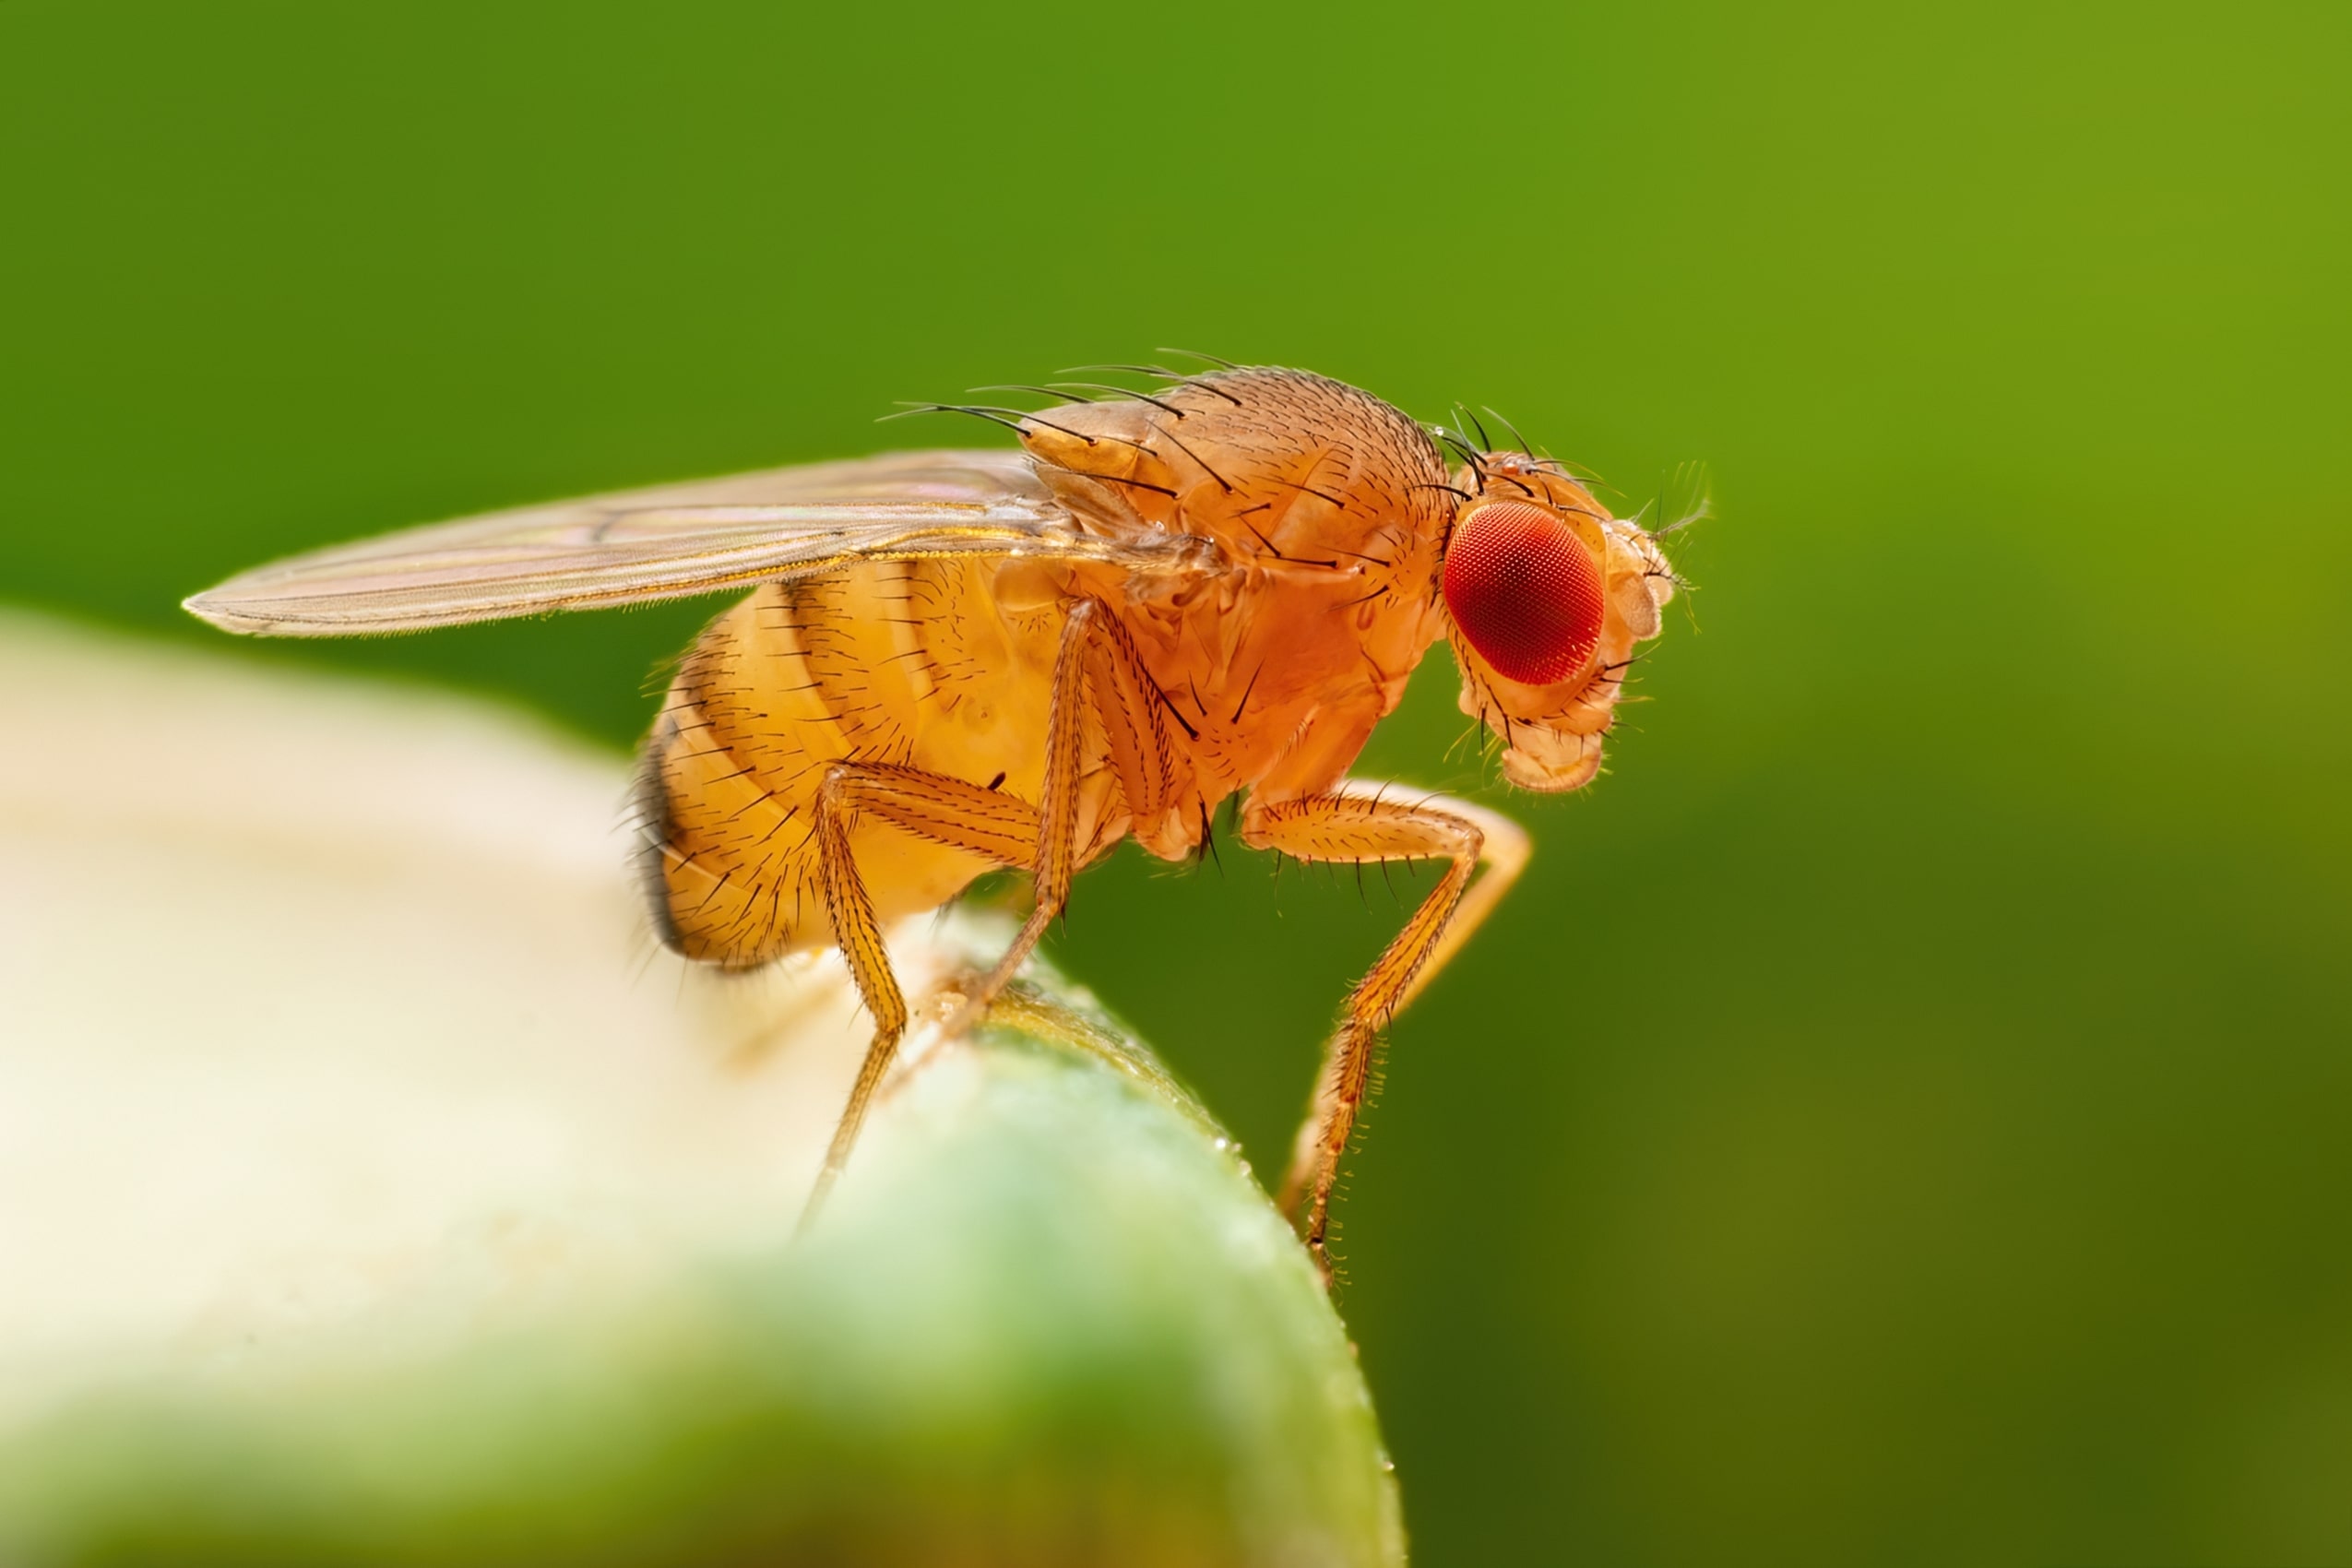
[1096, 667]
[1359, 822]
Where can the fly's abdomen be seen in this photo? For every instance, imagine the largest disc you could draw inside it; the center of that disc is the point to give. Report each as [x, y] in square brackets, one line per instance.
[901, 663]
[726, 788]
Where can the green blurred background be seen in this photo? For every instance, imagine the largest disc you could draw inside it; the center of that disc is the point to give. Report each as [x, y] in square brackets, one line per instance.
[1906, 1116]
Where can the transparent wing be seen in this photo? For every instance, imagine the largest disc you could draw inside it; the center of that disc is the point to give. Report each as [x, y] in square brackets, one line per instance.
[665, 543]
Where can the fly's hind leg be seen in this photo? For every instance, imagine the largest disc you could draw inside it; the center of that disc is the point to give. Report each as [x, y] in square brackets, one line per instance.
[1010, 831]
[932, 805]
[1359, 822]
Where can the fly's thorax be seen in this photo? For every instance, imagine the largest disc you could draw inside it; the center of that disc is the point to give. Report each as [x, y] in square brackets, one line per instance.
[1273, 464]
[1326, 506]
[1545, 596]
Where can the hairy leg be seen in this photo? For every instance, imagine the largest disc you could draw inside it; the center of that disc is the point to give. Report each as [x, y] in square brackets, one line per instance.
[1361, 821]
[1091, 664]
[949, 810]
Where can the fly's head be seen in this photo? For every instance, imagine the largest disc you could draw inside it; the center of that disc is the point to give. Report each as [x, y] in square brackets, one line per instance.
[1545, 596]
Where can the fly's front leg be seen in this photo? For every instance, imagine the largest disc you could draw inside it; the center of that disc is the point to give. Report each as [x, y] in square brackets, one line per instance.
[930, 805]
[1362, 821]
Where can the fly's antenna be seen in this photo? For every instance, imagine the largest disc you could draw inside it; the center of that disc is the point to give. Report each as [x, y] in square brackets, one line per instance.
[1689, 492]
[1685, 497]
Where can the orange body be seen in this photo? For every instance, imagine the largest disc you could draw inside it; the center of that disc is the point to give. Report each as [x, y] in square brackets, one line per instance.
[955, 662]
[1330, 508]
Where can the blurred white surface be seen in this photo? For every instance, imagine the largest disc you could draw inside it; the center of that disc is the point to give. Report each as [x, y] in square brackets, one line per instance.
[310, 987]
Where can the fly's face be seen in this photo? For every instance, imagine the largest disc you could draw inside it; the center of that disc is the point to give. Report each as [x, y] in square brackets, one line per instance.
[1545, 596]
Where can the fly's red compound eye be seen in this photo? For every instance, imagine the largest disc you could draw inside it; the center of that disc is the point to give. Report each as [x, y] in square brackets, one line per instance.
[1525, 590]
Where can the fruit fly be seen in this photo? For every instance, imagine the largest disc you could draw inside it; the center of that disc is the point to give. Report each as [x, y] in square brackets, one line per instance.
[951, 662]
